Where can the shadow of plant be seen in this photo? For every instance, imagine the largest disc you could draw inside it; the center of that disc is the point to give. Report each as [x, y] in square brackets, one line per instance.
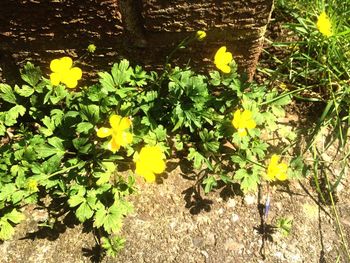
[195, 202]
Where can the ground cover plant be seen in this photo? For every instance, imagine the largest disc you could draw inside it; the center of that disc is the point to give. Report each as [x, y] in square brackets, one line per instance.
[54, 136]
[83, 145]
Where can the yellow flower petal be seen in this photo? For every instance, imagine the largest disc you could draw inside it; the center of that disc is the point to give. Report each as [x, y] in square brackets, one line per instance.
[123, 138]
[224, 68]
[55, 65]
[114, 121]
[55, 78]
[222, 59]
[142, 170]
[219, 55]
[274, 159]
[282, 173]
[76, 73]
[150, 161]
[113, 145]
[250, 124]
[242, 132]
[324, 24]
[276, 170]
[236, 119]
[104, 132]
[70, 83]
[66, 63]
[125, 123]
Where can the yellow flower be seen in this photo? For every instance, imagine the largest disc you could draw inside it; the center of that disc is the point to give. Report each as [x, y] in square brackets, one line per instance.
[150, 161]
[243, 121]
[32, 185]
[64, 72]
[120, 137]
[200, 35]
[223, 59]
[91, 48]
[324, 25]
[276, 170]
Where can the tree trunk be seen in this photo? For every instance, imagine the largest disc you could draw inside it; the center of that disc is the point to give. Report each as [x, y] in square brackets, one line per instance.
[43, 30]
[238, 24]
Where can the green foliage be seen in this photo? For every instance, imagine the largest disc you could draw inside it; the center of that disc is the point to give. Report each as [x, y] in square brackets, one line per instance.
[50, 146]
[284, 225]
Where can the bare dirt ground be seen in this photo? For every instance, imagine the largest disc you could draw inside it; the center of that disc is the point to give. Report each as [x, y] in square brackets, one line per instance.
[172, 221]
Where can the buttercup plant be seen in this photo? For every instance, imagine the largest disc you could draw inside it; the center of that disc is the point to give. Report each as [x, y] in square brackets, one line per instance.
[151, 116]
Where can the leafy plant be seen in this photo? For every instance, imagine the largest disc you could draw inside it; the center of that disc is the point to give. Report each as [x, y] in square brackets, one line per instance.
[54, 142]
[284, 225]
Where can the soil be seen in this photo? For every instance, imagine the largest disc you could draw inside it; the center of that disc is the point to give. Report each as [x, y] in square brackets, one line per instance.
[173, 221]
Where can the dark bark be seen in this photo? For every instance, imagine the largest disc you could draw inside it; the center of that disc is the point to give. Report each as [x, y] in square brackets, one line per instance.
[239, 24]
[42, 30]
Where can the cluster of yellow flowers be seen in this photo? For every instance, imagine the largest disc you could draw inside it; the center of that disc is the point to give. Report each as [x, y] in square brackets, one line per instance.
[149, 161]
[62, 71]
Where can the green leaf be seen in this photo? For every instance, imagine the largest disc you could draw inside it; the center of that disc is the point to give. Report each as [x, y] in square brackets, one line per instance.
[25, 91]
[100, 216]
[84, 212]
[75, 200]
[278, 111]
[103, 177]
[209, 182]
[121, 72]
[56, 142]
[84, 127]
[284, 225]
[239, 160]
[284, 100]
[12, 115]
[58, 94]
[14, 216]
[106, 81]
[196, 157]
[31, 74]
[249, 182]
[17, 196]
[55, 147]
[90, 113]
[6, 191]
[50, 126]
[6, 230]
[7, 94]
[57, 116]
[18, 170]
[112, 245]
[52, 164]
[82, 145]
[215, 78]
[111, 219]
